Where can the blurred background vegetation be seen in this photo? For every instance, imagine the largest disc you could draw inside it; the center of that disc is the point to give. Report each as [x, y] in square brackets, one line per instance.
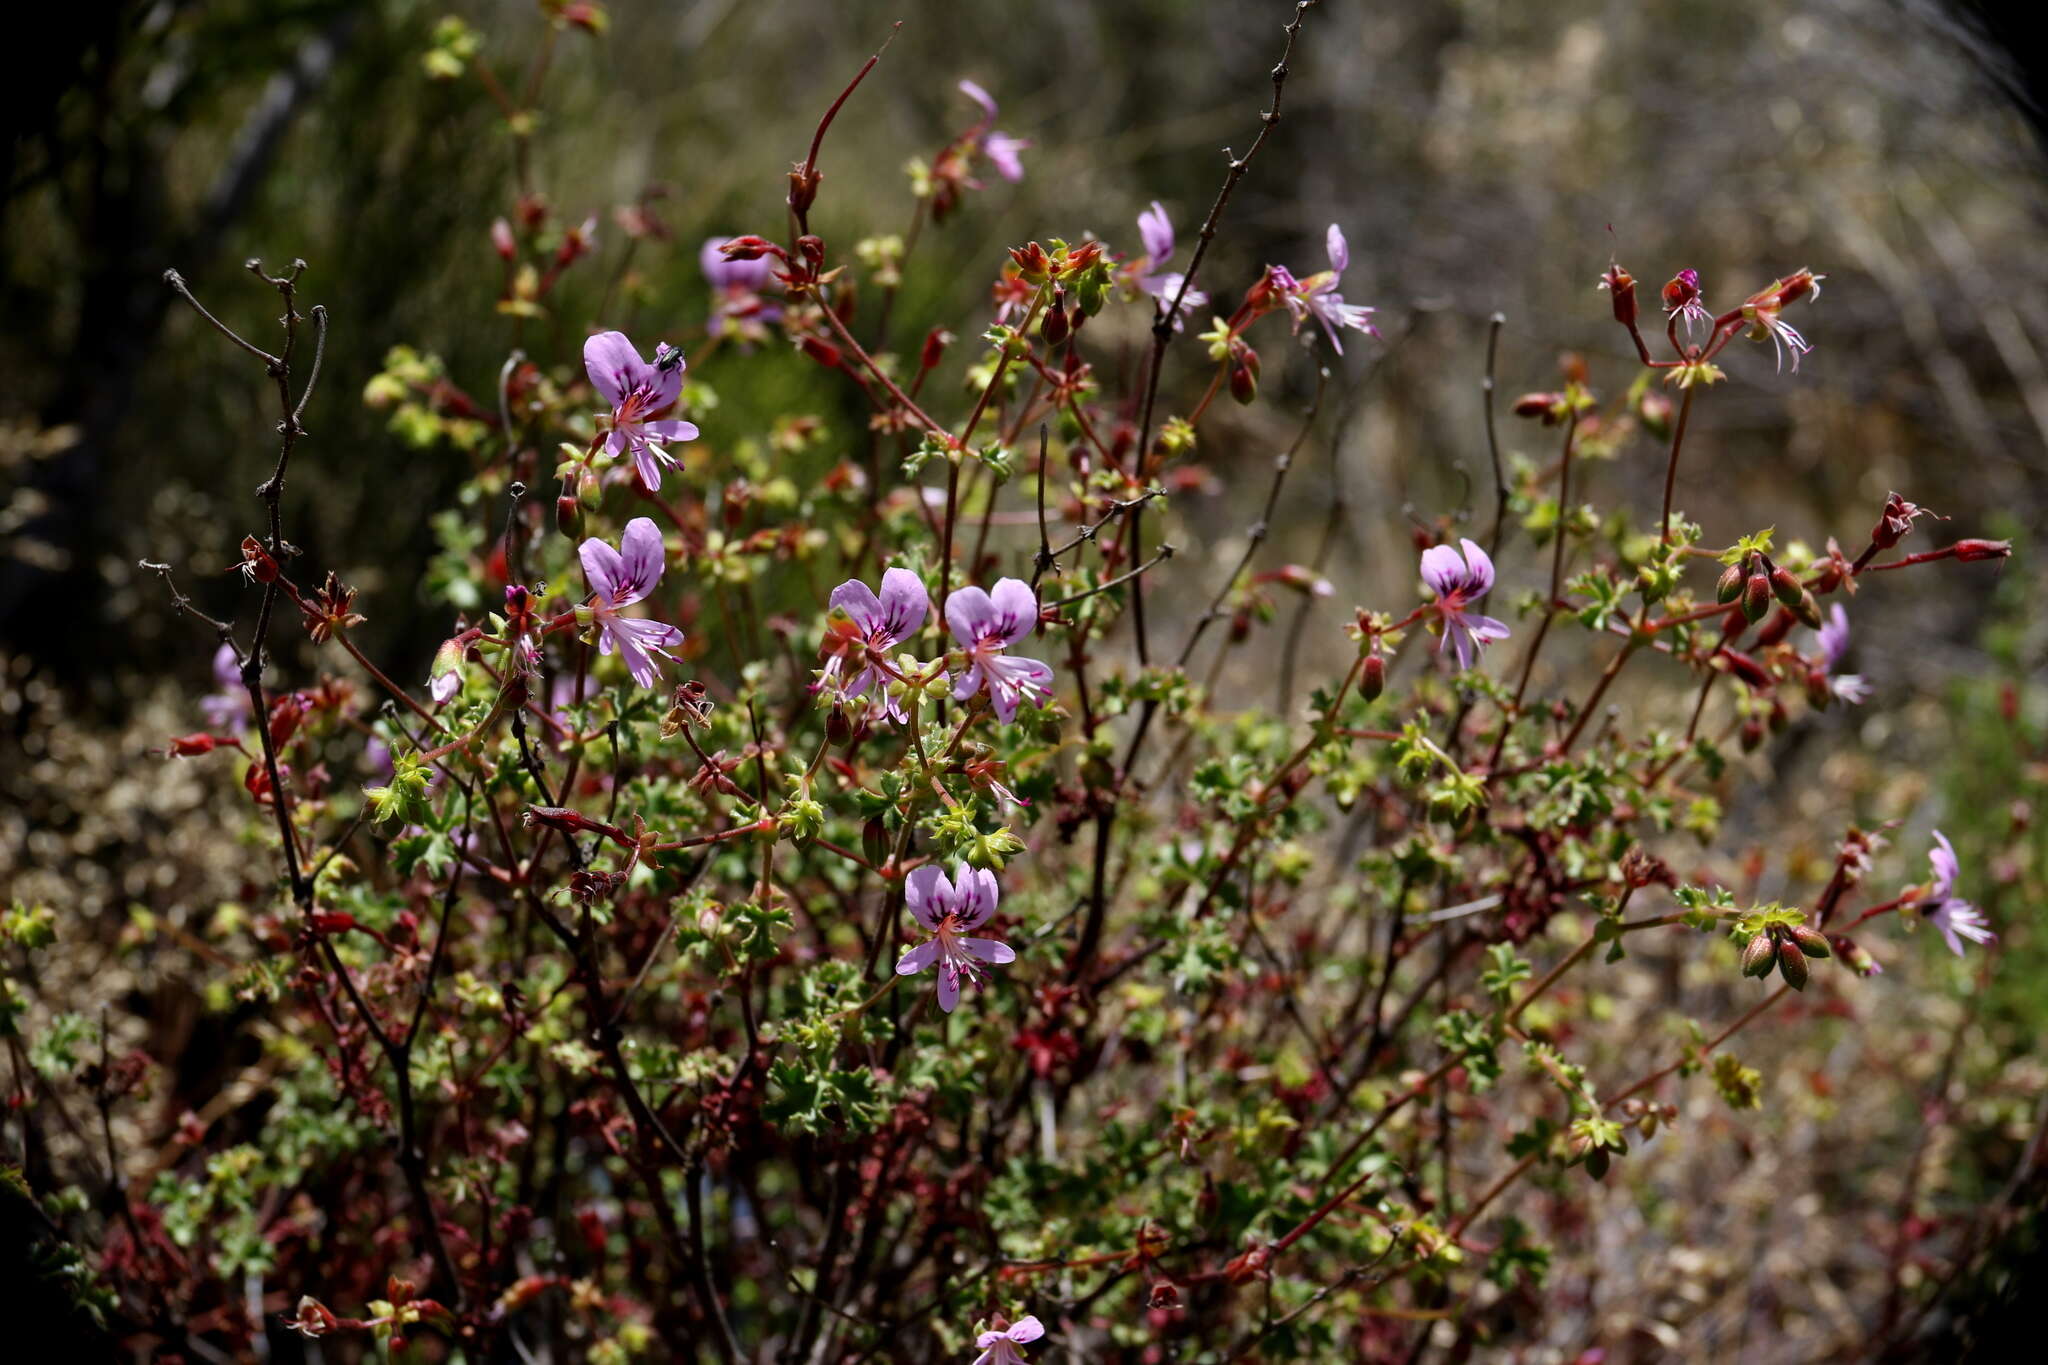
[1479, 156]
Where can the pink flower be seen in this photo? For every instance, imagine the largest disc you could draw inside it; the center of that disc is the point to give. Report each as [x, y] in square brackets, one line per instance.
[1953, 916]
[637, 391]
[1000, 1348]
[1155, 229]
[1682, 299]
[225, 708]
[1834, 644]
[738, 310]
[1458, 581]
[949, 909]
[1764, 309]
[985, 624]
[618, 579]
[1317, 297]
[1000, 148]
[864, 625]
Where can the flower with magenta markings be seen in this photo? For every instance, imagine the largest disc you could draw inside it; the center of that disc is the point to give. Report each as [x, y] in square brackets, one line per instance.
[1955, 917]
[1000, 148]
[999, 1347]
[950, 909]
[1459, 580]
[1317, 297]
[864, 626]
[637, 391]
[985, 624]
[619, 578]
[1155, 229]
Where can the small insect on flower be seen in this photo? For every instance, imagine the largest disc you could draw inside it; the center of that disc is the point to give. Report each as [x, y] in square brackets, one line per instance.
[1459, 580]
[637, 391]
[949, 909]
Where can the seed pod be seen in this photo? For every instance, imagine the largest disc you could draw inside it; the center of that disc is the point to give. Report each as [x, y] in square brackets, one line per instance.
[1756, 597]
[1792, 966]
[1811, 941]
[1759, 954]
[1730, 586]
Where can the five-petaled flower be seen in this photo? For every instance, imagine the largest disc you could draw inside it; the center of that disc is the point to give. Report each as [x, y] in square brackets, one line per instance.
[618, 579]
[864, 627]
[1000, 148]
[1317, 297]
[1834, 645]
[1155, 229]
[637, 391]
[1955, 917]
[1459, 580]
[1764, 309]
[985, 624]
[950, 909]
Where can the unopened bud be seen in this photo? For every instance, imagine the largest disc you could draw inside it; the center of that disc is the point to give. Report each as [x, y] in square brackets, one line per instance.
[1778, 719]
[1655, 413]
[1622, 286]
[1807, 610]
[1983, 549]
[1758, 955]
[1537, 405]
[1792, 966]
[1776, 629]
[820, 350]
[1784, 586]
[1054, 327]
[1165, 1294]
[502, 241]
[1752, 735]
[1244, 384]
[1756, 597]
[874, 840]
[935, 343]
[568, 514]
[1730, 586]
[1372, 679]
[1811, 941]
[837, 729]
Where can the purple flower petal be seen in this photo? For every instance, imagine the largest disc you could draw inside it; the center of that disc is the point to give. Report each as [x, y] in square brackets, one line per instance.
[980, 97]
[991, 951]
[1442, 569]
[1026, 1329]
[918, 958]
[1340, 251]
[1016, 608]
[1479, 566]
[859, 602]
[949, 986]
[978, 894]
[1002, 152]
[970, 615]
[904, 603]
[613, 365]
[671, 429]
[602, 568]
[1947, 867]
[927, 895]
[1156, 231]
[641, 555]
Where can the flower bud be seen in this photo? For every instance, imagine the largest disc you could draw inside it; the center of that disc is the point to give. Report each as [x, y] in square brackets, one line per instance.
[1792, 966]
[820, 350]
[1776, 629]
[1599, 1159]
[1811, 941]
[1751, 736]
[1778, 719]
[569, 510]
[837, 729]
[935, 343]
[1784, 586]
[1759, 954]
[874, 840]
[1756, 597]
[1655, 413]
[1622, 286]
[1818, 693]
[1054, 327]
[1807, 610]
[1982, 549]
[1538, 405]
[1244, 384]
[502, 241]
[1165, 1294]
[1730, 586]
[1372, 678]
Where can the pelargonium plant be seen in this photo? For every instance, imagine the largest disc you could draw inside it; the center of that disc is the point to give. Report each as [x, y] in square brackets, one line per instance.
[640, 982]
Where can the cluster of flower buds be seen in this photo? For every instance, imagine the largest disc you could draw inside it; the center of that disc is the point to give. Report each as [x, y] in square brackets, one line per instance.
[1785, 947]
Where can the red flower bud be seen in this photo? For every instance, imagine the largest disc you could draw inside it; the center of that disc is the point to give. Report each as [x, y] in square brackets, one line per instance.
[935, 343]
[820, 350]
[502, 241]
[1372, 679]
[1756, 597]
[1982, 549]
[1622, 285]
